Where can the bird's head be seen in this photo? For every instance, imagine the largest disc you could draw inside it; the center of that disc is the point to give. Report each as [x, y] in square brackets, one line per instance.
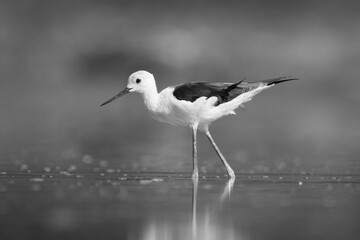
[140, 82]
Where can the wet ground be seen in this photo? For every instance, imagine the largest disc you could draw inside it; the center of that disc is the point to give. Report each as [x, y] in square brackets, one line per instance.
[118, 205]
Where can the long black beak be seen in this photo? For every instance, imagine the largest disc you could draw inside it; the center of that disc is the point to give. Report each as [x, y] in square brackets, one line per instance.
[122, 93]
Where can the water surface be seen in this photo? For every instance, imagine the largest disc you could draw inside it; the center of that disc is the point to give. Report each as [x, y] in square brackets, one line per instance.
[118, 205]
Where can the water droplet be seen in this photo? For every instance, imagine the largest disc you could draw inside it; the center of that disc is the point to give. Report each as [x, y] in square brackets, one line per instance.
[24, 167]
[87, 159]
[72, 168]
[36, 179]
[103, 163]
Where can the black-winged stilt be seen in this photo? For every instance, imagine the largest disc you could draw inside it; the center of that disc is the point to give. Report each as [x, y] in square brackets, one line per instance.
[195, 104]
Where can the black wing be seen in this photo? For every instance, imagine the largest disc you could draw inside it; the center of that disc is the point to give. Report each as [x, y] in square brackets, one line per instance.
[225, 92]
[192, 91]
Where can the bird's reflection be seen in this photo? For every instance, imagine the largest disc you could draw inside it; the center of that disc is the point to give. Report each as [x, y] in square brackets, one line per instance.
[207, 221]
[226, 194]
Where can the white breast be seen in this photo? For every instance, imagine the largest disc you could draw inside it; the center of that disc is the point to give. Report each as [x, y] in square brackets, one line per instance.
[184, 113]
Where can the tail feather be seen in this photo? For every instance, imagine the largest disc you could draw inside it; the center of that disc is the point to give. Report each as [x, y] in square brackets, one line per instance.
[242, 98]
[244, 92]
[278, 80]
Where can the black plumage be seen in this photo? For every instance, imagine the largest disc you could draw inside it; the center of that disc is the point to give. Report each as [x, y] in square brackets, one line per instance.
[225, 92]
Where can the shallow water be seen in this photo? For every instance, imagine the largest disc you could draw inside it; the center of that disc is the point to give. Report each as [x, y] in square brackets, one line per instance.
[118, 205]
[65, 162]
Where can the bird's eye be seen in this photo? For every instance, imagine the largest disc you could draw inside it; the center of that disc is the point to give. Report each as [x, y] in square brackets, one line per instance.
[138, 80]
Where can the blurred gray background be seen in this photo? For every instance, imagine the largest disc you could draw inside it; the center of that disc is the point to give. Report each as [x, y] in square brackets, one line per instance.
[61, 59]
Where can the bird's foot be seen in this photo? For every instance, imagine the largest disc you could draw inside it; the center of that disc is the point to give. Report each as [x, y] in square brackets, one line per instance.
[195, 175]
[231, 173]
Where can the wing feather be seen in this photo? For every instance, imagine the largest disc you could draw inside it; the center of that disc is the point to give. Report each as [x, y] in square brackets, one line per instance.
[224, 92]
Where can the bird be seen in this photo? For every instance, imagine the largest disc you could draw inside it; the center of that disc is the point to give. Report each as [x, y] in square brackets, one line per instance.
[195, 104]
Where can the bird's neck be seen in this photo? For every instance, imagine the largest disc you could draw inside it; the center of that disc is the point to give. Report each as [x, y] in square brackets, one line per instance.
[151, 99]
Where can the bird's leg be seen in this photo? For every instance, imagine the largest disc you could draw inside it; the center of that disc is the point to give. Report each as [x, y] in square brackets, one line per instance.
[195, 174]
[227, 166]
[194, 200]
